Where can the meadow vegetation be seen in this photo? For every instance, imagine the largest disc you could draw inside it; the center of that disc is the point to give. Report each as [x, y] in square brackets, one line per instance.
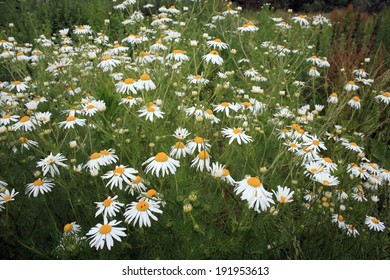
[192, 130]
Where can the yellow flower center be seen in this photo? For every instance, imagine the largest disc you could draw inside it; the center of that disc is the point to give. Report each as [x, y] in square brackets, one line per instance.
[210, 112]
[70, 118]
[95, 156]
[282, 199]
[129, 81]
[333, 94]
[246, 104]
[178, 51]
[119, 171]
[351, 82]
[7, 198]
[293, 145]
[353, 144]
[253, 182]
[151, 193]
[203, 155]
[38, 183]
[198, 140]
[6, 116]
[105, 229]
[82, 27]
[143, 54]
[225, 104]
[136, 180]
[106, 57]
[225, 172]
[315, 142]
[129, 97]
[197, 77]
[142, 206]
[214, 52]
[328, 160]
[16, 82]
[218, 40]
[325, 182]
[356, 98]
[237, 131]
[313, 170]
[375, 220]
[23, 140]
[151, 109]
[386, 94]
[302, 16]
[107, 202]
[145, 77]
[104, 152]
[340, 218]
[24, 119]
[90, 106]
[161, 157]
[313, 68]
[324, 199]
[179, 145]
[68, 227]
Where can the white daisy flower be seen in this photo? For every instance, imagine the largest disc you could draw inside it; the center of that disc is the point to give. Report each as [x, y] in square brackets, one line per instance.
[110, 206]
[161, 162]
[145, 82]
[202, 161]
[374, 224]
[104, 234]
[126, 86]
[217, 44]
[140, 212]
[39, 186]
[236, 134]
[71, 121]
[50, 163]
[213, 58]
[199, 144]
[253, 191]
[283, 195]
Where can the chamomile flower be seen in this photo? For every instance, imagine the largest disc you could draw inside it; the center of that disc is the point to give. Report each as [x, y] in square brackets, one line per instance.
[248, 27]
[151, 111]
[333, 98]
[199, 144]
[7, 118]
[339, 220]
[39, 186]
[313, 142]
[301, 19]
[7, 196]
[384, 97]
[18, 86]
[351, 86]
[158, 46]
[83, 30]
[181, 133]
[177, 56]
[253, 191]
[25, 123]
[137, 184]
[108, 63]
[201, 161]
[197, 79]
[226, 107]
[236, 134]
[161, 162]
[217, 44]
[354, 102]
[119, 175]
[72, 228]
[129, 101]
[313, 72]
[226, 177]
[104, 234]
[126, 86]
[95, 161]
[109, 207]
[145, 82]
[179, 150]
[51, 163]
[27, 143]
[283, 195]
[314, 60]
[71, 121]
[374, 224]
[352, 146]
[141, 212]
[213, 58]
[351, 230]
